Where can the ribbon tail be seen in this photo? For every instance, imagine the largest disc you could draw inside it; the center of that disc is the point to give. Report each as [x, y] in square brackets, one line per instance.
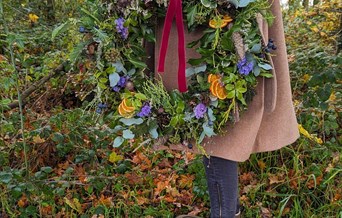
[170, 14]
[181, 48]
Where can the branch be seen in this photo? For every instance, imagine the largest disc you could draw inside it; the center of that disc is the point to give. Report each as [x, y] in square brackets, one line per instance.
[35, 86]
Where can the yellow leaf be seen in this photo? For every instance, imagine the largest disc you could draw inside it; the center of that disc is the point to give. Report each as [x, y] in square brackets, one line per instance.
[114, 157]
[38, 140]
[315, 29]
[306, 78]
[332, 97]
[261, 164]
[33, 18]
[304, 132]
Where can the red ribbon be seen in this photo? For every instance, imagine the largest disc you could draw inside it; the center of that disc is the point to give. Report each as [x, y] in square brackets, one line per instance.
[174, 10]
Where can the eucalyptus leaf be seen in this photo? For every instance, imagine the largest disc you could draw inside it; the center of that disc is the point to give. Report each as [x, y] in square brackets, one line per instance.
[244, 3]
[256, 48]
[131, 71]
[113, 79]
[190, 71]
[209, 4]
[201, 68]
[256, 70]
[118, 141]
[211, 114]
[209, 131]
[154, 132]
[234, 2]
[127, 134]
[265, 66]
[131, 121]
[118, 67]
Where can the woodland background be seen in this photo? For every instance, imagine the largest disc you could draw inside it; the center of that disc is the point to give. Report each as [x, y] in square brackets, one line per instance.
[57, 160]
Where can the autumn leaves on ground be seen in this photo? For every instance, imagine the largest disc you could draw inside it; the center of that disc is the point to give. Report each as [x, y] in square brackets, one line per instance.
[57, 159]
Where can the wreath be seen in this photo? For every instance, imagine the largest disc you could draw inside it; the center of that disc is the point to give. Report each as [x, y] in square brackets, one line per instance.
[221, 83]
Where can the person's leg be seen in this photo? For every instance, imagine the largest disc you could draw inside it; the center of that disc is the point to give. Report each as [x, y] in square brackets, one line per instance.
[222, 179]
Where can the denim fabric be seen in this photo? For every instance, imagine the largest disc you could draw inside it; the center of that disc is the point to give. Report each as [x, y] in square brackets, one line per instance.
[222, 179]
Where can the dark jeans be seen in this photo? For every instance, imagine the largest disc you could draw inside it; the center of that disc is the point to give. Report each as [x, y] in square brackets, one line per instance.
[222, 179]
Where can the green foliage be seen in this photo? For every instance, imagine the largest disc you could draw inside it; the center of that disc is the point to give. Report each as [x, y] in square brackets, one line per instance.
[74, 168]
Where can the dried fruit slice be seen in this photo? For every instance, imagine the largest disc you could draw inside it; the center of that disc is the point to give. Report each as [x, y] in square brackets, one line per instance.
[125, 105]
[227, 18]
[221, 93]
[214, 86]
[212, 77]
[217, 24]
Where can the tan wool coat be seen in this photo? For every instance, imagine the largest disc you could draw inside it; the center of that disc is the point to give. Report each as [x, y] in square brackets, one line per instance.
[269, 122]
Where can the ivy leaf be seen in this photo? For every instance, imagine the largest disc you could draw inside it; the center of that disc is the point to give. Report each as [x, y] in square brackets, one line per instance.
[137, 63]
[113, 79]
[5, 177]
[190, 16]
[131, 121]
[118, 141]
[127, 134]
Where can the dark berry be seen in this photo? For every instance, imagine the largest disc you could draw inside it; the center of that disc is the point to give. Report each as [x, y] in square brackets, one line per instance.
[274, 47]
[270, 44]
[190, 146]
[98, 110]
[210, 123]
[82, 29]
[270, 40]
[267, 50]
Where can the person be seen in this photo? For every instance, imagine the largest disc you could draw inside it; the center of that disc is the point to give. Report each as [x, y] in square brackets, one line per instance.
[268, 124]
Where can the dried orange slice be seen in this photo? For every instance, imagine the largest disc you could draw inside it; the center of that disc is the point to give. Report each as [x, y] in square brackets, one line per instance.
[227, 18]
[212, 77]
[221, 93]
[213, 87]
[217, 24]
[124, 109]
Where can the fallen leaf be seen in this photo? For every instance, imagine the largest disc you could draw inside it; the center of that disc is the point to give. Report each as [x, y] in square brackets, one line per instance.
[261, 165]
[274, 179]
[23, 201]
[186, 180]
[142, 200]
[114, 157]
[38, 140]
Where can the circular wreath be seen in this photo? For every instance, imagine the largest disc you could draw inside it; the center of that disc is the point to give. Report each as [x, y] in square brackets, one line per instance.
[221, 82]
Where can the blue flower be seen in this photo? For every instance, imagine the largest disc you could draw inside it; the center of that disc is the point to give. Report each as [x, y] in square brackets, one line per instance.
[200, 110]
[123, 31]
[144, 111]
[245, 67]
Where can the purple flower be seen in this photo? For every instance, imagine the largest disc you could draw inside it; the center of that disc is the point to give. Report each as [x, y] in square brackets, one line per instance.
[122, 81]
[116, 89]
[245, 67]
[144, 111]
[123, 31]
[200, 110]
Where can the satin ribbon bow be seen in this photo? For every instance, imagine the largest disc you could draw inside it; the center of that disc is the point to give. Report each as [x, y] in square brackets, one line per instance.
[174, 10]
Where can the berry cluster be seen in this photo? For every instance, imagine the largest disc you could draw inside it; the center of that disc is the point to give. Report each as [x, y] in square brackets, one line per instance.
[100, 107]
[270, 45]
